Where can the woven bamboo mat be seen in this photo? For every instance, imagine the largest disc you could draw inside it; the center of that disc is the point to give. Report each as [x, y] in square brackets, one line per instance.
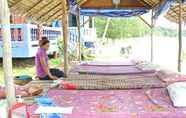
[99, 82]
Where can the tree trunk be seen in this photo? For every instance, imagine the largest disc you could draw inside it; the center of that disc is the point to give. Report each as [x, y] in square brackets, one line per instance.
[7, 57]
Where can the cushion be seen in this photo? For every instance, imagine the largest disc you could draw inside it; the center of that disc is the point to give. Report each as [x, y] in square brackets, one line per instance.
[177, 93]
[22, 80]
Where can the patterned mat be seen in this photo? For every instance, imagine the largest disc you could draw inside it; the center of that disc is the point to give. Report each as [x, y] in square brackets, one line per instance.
[138, 103]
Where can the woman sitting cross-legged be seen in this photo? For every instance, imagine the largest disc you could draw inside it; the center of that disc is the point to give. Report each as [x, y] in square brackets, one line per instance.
[41, 60]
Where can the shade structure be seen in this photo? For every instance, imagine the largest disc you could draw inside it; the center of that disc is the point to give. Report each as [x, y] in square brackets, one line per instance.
[173, 13]
[45, 11]
[177, 14]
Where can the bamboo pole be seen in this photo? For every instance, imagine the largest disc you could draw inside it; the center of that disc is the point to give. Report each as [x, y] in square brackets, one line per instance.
[151, 41]
[65, 35]
[106, 28]
[7, 57]
[79, 35]
[142, 19]
[180, 36]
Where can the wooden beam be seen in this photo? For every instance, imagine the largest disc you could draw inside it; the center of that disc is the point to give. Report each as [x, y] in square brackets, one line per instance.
[16, 3]
[55, 17]
[50, 16]
[141, 18]
[145, 4]
[58, 17]
[34, 6]
[79, 35]
[33, 13]
[65, 35]
[180, 36]
[51, 9]
[7, 53]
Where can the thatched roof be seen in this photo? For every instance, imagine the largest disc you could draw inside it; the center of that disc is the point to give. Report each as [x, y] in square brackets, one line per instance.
[48, 10]
[173, 13]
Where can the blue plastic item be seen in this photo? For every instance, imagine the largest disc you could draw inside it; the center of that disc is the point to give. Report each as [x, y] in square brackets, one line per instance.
[46, 101]
[23, 77]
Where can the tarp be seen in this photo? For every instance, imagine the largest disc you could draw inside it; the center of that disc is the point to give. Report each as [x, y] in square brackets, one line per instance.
[115, 12]
[126, 12]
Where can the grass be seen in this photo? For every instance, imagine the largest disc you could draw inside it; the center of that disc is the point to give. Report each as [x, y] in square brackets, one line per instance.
[26, 67]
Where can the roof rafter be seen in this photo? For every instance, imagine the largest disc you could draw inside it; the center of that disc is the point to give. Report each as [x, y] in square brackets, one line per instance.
[145, 3]
[50, 16]
[16, 3]
[35, 5]
[40, 17]
[40, 8]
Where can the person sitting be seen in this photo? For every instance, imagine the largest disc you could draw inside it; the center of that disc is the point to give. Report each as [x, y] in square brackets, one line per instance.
[43, 70]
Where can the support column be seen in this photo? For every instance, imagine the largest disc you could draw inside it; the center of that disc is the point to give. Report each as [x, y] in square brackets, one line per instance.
[65, 35]
[7, 53]
[180, 36]
[79, 35]
[151, 41]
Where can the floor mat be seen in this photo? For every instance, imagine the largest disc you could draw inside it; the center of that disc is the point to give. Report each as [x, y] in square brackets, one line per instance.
[151, 103]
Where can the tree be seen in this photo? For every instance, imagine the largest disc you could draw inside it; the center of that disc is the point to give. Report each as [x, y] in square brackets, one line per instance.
[121, 28]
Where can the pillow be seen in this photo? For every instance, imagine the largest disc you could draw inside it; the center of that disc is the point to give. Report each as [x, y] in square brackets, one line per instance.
[170, 76]
[177, 93]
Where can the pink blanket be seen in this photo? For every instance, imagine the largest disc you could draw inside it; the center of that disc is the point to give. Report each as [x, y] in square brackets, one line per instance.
[111, 70]
[116, 104]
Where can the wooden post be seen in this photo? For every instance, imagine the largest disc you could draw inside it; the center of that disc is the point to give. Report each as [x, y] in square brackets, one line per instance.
[79, 35]
[7, 57]
[180, 36]
[93, 22]
[65, 35]
[151, 41]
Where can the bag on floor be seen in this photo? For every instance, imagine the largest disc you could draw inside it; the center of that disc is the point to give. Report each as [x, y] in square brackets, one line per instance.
[56, 72]
[35, 90]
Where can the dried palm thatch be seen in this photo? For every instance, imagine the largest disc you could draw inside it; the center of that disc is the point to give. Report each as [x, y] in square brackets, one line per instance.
[173, 13]
[45, 11]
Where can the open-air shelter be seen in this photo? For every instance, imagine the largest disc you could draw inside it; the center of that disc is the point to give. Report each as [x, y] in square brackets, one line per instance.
[42, 11]
[176, 14]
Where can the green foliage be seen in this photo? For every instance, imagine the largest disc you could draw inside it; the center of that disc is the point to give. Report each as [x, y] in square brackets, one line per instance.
[161, 31]
[120, 28]
[86, 54]
[71, 52]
